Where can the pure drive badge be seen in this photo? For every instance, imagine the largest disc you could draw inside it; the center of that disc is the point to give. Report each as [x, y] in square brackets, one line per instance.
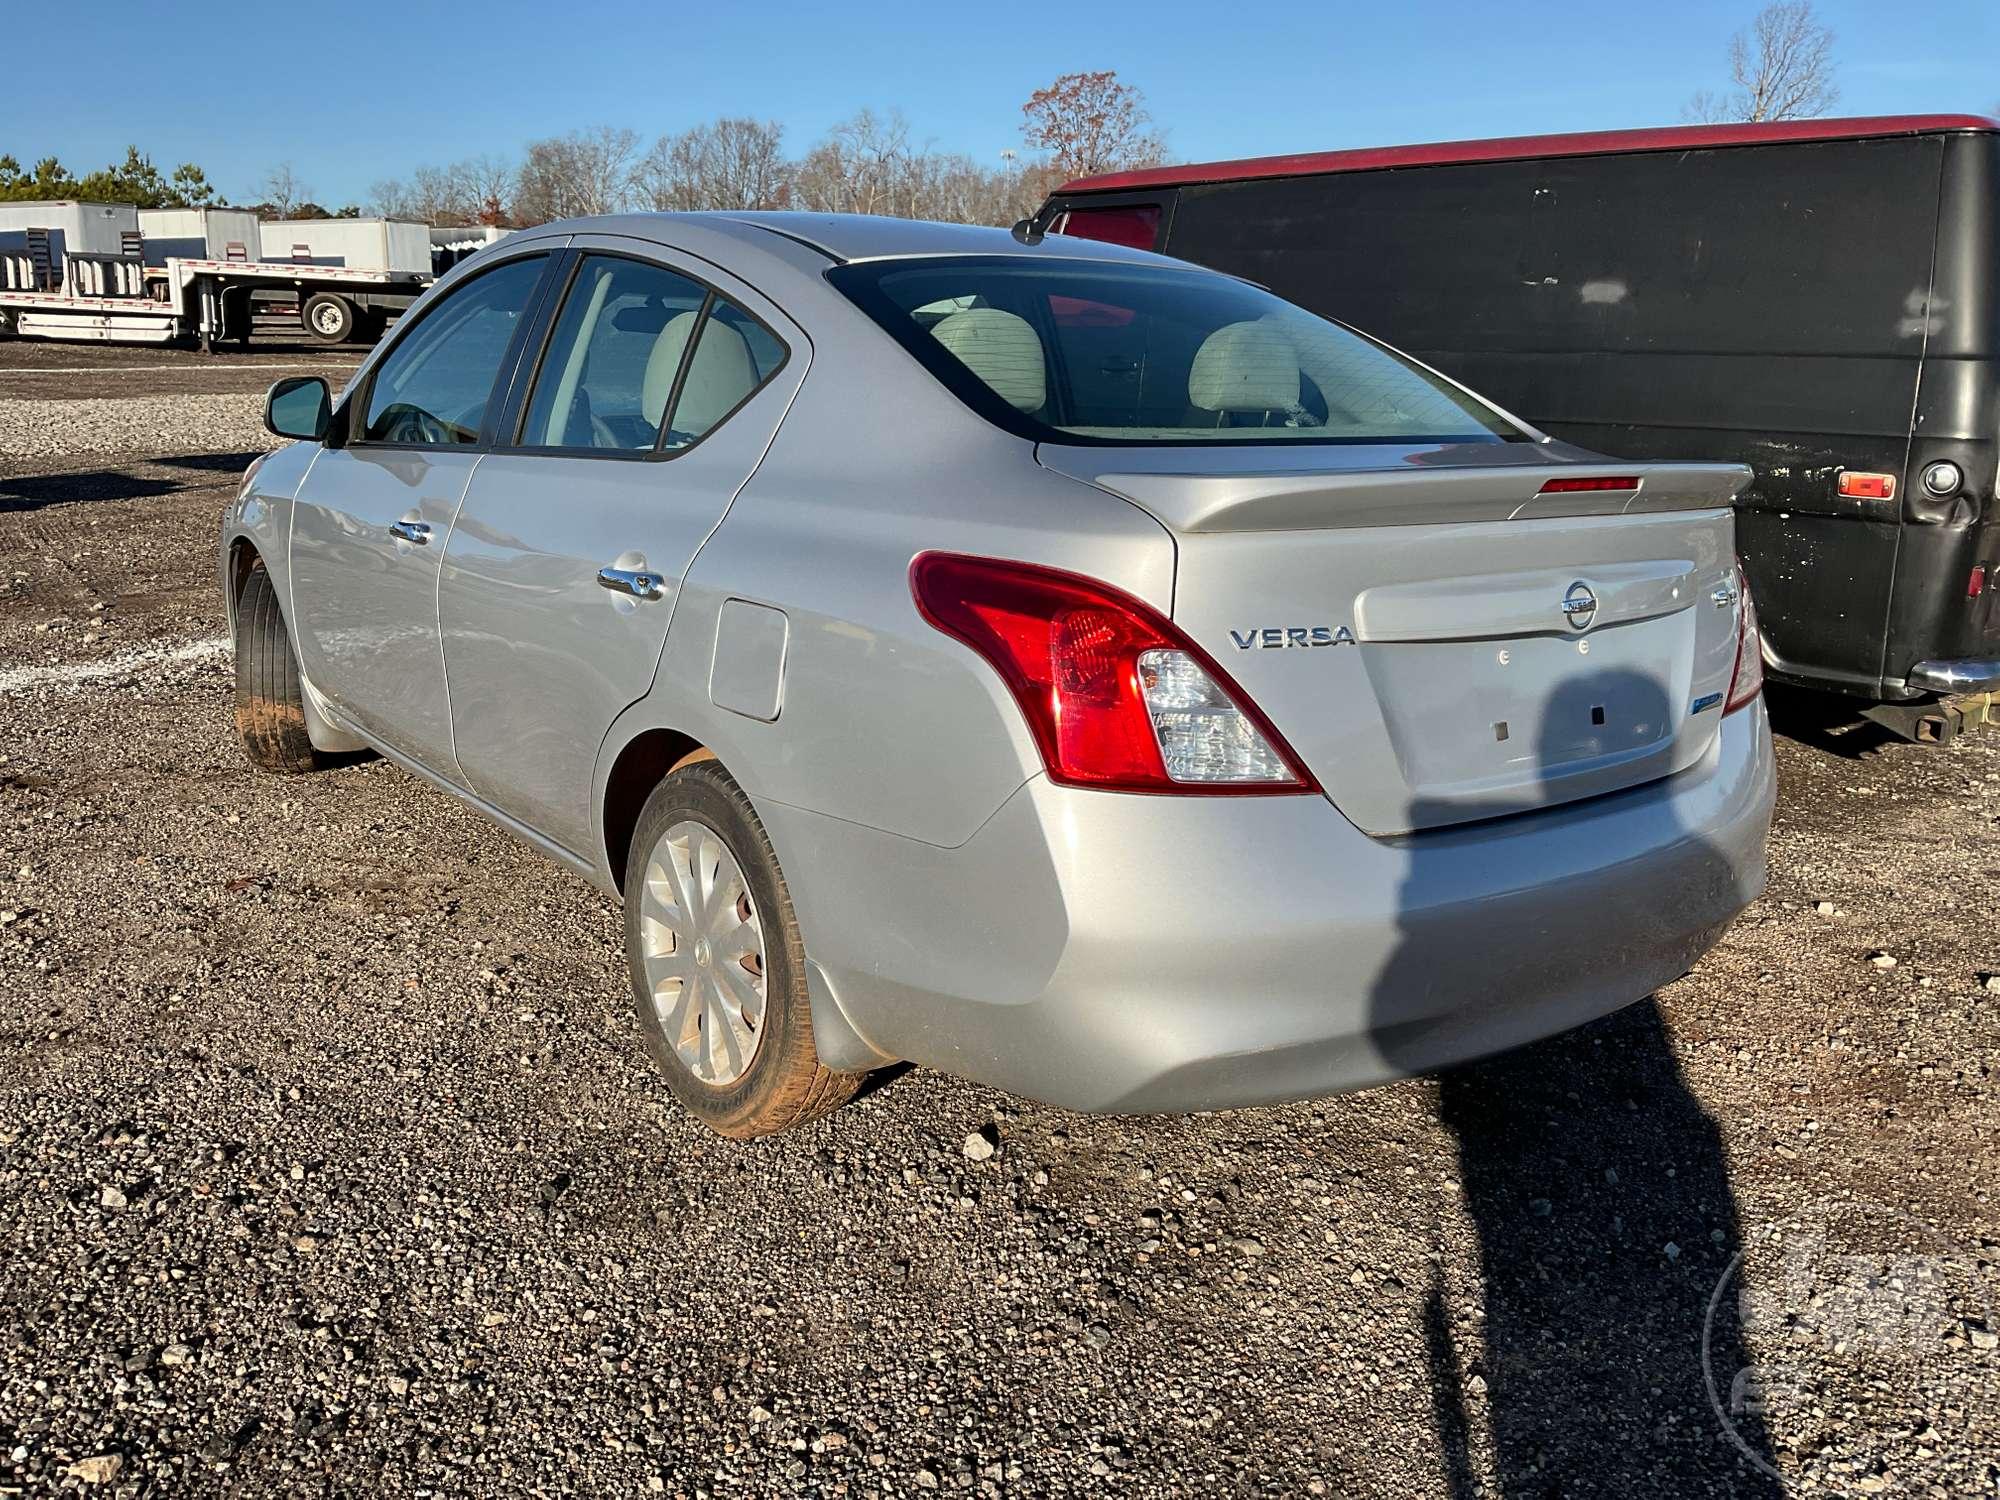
[1280, 637]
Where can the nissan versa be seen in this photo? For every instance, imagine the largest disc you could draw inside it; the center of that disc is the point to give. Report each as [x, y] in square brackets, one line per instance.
[1043, 661]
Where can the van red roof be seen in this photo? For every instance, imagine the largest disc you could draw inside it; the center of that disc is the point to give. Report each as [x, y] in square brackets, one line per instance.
[1526, 147]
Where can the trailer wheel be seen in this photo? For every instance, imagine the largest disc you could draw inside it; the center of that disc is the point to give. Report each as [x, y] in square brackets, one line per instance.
[328, 317]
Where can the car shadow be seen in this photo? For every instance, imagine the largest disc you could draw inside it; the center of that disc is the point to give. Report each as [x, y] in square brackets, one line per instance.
[26, 492]
[1570, 1360]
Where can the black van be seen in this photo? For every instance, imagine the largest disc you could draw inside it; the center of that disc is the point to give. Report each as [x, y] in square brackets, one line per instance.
[1818, 299]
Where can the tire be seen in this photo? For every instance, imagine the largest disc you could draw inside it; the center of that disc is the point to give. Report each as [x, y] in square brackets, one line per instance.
[329, 318]
[781, 1082]
[270, 703]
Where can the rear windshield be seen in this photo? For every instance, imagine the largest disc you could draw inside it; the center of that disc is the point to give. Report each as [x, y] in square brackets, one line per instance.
[1077, 351]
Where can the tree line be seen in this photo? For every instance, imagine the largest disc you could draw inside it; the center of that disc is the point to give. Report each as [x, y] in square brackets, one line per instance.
[868, 163]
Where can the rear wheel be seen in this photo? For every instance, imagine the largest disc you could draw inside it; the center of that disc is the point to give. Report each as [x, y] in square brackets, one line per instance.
[718, 968]
[270, 701]
[328, 318]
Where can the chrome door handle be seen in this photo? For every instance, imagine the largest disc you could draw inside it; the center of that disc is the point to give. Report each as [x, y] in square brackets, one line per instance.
[418, 532]
[636, 582]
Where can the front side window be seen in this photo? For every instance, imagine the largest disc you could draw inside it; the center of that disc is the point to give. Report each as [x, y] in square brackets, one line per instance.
[433, 387]
[643, 357]
[1094, 352]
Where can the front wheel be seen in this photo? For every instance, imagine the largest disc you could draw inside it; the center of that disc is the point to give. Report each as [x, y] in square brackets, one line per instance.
[718, 967]
[270, 699]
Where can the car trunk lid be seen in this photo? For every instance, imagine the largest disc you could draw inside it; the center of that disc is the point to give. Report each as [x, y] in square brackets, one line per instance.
[1438, 634]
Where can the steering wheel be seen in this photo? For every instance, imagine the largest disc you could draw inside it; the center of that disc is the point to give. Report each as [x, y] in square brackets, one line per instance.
[405, 423]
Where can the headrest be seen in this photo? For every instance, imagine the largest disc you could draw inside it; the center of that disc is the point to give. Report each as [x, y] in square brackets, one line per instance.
[721, 374]
[1002, 349]
[1245, 367]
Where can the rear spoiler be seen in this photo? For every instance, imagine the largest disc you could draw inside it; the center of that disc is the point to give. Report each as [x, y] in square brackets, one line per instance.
[1406, 496]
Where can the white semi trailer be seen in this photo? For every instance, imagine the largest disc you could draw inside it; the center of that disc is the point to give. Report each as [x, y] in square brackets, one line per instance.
[82, 271]
[199, 234]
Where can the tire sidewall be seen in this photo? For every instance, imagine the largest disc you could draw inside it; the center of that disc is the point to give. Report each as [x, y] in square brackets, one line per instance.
[704, 793]
[346, 309]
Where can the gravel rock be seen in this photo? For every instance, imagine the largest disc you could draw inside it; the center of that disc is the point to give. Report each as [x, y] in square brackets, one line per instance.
[103, 1469]
[982, 1145]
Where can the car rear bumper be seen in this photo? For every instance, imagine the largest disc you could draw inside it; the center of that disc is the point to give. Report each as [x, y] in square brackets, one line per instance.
[1113, 952]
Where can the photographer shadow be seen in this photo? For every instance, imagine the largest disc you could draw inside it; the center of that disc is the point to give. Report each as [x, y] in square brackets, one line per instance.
[1596, 1182]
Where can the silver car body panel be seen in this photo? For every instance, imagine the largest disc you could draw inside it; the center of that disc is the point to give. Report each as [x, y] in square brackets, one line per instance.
[1447, 895]
[523, 615]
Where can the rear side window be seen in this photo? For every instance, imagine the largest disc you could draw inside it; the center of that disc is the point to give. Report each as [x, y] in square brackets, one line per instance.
[612, 360]
[734, 354]
[433, 387]
[1095, 352]
[644, 358]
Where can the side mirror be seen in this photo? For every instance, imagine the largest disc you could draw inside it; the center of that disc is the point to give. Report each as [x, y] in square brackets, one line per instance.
[299, 406]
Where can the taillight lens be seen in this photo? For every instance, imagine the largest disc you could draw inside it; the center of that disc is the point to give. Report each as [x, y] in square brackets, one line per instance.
[1116, 697]
[1748, 679]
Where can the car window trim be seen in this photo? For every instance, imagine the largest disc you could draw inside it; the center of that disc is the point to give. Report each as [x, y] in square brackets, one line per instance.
[353, 416]
[521, 398]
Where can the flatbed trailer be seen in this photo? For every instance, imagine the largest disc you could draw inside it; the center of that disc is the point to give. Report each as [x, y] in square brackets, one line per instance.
[208, 302]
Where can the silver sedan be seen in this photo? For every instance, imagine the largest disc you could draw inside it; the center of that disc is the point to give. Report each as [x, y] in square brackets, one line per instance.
[1031, 658]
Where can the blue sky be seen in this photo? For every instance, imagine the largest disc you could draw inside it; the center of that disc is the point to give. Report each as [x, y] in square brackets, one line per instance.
[353, 93]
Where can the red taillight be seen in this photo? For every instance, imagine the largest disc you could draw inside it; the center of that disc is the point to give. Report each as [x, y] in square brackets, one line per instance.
[1856, 485]
[1136, 225]
[1976, 584]
[1747, 680]
[1586, 486]
[1074, 651]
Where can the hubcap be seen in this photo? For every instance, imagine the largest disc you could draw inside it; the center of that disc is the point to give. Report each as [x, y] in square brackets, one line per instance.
[326, 319]
[702, 943]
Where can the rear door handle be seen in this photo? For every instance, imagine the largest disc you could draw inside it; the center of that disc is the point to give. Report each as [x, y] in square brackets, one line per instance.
[418, 532]
[634, 581]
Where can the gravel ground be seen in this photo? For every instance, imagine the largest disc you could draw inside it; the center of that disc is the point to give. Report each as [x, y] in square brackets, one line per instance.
[330, 1161]
[40, 428]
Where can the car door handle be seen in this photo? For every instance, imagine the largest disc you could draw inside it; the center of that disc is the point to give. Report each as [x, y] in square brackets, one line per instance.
[634, 581]
[418, 532]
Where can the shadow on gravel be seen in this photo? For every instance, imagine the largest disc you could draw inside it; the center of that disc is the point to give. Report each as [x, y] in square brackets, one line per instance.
[1583, 1158]
[34, 491]
[223, 463]
[1828, 722]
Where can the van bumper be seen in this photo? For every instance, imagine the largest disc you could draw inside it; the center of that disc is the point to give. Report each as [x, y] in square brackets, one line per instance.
[1965, 675]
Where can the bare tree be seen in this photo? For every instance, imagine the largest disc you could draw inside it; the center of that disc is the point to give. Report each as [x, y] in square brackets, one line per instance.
[283, 190]
[1090, 122]
[475, 191]
[861, 167]
[584, 172]
[1780, 69]
[728, 163]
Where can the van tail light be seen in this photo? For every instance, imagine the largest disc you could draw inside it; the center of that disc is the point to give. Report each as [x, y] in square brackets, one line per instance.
[1135, 225]
[1975, 583]
[1116, 696]
[1747, 681]
[1856, 485]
